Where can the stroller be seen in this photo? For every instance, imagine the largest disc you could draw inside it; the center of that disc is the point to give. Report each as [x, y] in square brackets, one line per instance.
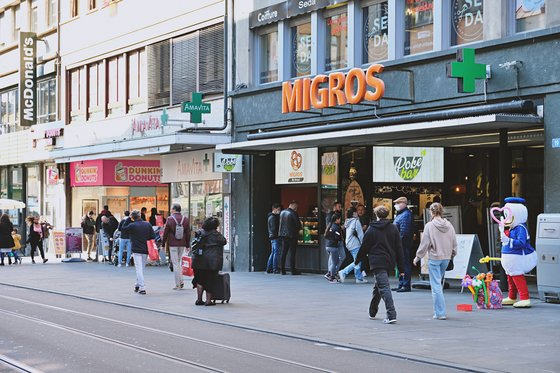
[117, 248]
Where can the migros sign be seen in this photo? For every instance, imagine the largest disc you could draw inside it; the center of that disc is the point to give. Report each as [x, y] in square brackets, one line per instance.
[341, 89]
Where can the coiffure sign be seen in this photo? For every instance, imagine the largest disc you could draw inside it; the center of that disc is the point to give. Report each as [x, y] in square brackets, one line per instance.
[27, 78]
[334, 89]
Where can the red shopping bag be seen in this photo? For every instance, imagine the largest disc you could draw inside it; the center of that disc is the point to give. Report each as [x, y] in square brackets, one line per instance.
[153, 252]
[187, 266]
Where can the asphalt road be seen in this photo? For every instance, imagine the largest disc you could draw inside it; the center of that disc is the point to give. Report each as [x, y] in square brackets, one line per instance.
[56, 333]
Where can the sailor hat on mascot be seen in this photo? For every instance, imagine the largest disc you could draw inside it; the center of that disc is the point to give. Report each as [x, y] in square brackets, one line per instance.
[518, 256]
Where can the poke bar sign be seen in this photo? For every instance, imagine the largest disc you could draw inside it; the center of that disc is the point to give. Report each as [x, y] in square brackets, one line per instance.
[115, 173]
[334, 89]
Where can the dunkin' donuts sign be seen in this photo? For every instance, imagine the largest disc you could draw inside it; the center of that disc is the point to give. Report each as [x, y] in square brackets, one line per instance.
[116, 173]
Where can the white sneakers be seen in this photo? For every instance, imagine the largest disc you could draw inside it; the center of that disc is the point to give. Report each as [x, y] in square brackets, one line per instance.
[342, 276]
[362, 281]
[439, 317]
[389, 321]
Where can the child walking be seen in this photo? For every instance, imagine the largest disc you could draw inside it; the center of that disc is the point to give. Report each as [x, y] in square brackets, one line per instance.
[17, 246]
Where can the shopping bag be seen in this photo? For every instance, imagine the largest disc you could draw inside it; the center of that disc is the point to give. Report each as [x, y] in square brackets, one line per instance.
[187, 266]
[153, 253]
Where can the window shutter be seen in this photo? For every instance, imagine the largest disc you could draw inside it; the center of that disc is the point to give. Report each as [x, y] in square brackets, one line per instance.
[211, 63]
[158, 74]
[184, 67]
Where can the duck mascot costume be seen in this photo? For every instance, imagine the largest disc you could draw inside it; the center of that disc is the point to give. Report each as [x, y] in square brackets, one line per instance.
[518, 256]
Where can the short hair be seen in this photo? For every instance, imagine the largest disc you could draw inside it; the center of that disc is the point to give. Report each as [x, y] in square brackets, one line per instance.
[91, 213]
[275, 206]
[436, 209]
[381, 212]
[5, 219]
[336, 203]
[106, 207]
[294, 202]
[127, 213]
[176, 207]
[335, 217]
[104, 218]
[135, 214]
[360, 205]
[15, 230]
[350, 212]
[211, 224]
[144, 209]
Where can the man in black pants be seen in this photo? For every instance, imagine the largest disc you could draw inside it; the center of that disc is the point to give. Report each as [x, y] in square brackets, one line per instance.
[289, 233]
[383, 247]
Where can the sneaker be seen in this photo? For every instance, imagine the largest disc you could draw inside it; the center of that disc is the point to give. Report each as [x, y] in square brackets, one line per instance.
[182, 285]
[371, 317]
[439, 317]
[142, 292]
[45, 260]
[119, 265]
[127, 264]
[327, 275]
[364, 274]
[89, 258]
[333, 281]
[361, 281]
[404, 290]
[342, 276]
[136, 288]
[389, 321]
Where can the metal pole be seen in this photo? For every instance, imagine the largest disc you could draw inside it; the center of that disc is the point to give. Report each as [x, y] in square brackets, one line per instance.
[504, 186]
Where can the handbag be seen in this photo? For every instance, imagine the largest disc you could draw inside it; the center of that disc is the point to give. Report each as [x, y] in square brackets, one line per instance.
[186, 265]
[153, 253]
[450, 266]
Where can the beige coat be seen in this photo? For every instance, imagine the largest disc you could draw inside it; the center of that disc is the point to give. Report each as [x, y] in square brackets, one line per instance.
[439, 240]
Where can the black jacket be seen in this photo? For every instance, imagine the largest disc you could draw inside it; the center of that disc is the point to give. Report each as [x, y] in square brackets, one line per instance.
[6, 239]
[110, 227]
[140, 233]
[333, 235]
[289, 224]
[382, 245]
[212, 258]
[98, 219]
[273, 225]
[88, 225]
[124, 235]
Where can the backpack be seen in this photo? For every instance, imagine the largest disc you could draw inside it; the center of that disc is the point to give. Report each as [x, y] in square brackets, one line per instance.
[179, 229]
[197, 244]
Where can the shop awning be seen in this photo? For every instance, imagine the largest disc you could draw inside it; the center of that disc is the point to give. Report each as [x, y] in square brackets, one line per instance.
[178, 141]
[382, 134]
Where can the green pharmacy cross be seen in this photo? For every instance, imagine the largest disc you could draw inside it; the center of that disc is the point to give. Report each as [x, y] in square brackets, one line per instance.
[466, 70]
[196, 107]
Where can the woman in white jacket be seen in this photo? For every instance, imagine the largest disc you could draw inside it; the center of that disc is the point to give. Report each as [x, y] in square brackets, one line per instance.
[440, 243]
[354, 238]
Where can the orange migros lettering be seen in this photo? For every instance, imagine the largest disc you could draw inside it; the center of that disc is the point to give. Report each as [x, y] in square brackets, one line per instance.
[335, 89]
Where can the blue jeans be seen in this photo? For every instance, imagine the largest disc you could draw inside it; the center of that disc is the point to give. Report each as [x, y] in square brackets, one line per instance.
[341, 255]
[272, 263]
[357, 268]
[437, 271]
[333, 260]
[125, 243]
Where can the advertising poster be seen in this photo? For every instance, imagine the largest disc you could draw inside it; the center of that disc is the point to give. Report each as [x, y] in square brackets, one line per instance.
[59, 242]
[407, 165]
[329, 170]
[354, 195]
[297, 166]
[227, 223]
[73, 240]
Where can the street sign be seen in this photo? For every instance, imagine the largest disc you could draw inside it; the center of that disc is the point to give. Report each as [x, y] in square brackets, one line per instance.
[196, 107]
[556, 142]
[466, 70]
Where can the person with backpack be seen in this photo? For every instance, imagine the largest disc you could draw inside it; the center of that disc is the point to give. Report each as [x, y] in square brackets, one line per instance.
[354, 238]
[382, 246]
[333, 237]
[177, 234]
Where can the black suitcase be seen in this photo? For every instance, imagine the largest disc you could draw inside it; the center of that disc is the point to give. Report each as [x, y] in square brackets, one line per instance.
[222, 289]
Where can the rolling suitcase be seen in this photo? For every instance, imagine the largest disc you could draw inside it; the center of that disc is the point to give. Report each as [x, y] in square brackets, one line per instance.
[222, 291]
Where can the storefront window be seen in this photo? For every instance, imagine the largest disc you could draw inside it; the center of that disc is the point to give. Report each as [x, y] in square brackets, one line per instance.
[180, 195]
[47, 101]
[530, 14]
[3, 183]
[268, 59]
[33, 190]
[376, 32]
[336, 42]
[301, 49]
[205, 201]
[467, 21]
[419, 26]
[8, 111]
[17, 183]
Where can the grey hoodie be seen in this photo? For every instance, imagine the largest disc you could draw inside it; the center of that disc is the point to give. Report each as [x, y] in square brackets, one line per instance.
[438, 240]
[354, 233]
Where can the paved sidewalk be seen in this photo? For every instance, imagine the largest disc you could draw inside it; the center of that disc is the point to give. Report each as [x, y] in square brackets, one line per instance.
[513, 340]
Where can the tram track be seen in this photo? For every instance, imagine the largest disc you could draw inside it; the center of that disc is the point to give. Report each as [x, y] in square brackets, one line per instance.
[16, 366]
[409, 358]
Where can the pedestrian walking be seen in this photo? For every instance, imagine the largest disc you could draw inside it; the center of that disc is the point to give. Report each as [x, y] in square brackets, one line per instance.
[109, 225]
[364, 221]
[140, 233]
[143, 212]
[288, 230]
[208, 263]
[336, 209]
[124, 241]
[333, 237]
[17, 246]
[88, 229]
[35, 236]
[405, 223]
[177, 234]
[382, 246]
[273, 228]
[47, 227]
[6, 239]
[440, 242]
[354, 238]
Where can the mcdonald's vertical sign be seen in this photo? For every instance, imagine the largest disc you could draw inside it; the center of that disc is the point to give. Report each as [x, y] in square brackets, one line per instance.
[27, 78]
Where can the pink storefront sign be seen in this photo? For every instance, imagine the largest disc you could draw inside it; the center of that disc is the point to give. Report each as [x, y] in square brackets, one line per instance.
[116, 173]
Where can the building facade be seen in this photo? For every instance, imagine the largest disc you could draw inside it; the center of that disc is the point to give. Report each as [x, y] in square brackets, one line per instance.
[320, 120]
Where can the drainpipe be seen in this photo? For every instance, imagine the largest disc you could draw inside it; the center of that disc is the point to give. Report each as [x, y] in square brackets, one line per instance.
[520, 106]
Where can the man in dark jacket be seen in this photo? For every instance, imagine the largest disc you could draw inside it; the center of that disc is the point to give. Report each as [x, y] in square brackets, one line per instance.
[104, 212]
[140, 233]
[177, 246]
[336, 209]
[273, 226]
[88, 229]
[289, 232]
[382, 245]
[124, 241]
[405, 223]
[109, 225]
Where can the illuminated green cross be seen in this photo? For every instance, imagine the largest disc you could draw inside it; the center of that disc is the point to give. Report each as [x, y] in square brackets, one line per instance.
[466, 70]
[196, 107]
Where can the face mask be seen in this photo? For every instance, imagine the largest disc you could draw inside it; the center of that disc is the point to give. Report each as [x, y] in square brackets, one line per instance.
[397, 207]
